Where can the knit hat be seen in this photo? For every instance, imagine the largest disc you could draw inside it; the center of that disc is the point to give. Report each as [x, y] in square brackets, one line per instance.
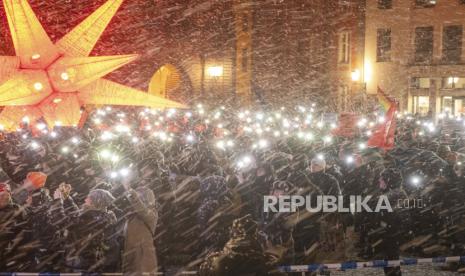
[100, 199]
[37, 179]
[318, 162]
[5, 188]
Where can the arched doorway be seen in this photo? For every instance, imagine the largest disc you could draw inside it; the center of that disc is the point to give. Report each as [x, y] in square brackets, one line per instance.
[168, 82]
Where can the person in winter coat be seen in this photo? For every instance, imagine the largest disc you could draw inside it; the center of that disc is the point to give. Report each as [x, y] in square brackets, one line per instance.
[12, 224]
[91, 236]
[44, 223]
[139, 255]
[214, 211]
[242, 255]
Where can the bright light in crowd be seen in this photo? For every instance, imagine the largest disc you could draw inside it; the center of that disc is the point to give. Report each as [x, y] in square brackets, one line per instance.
[53, 134]
[362, 146]
[320, 156]
[122, 128]
[327, 139]
[106, 135]
[362, 122]
[309, 136]
[220, 144]
[105, 154]
[215, 71]
[97, 121]
[25, 119]
[415, 180]
[75, 140]
[124, 172]
[38, 86]
[350, 159]
[35, 145]
[262, 143]
[431, 128]
[114, 158]
[41, 126]
[320, 124]
[244, 162]
[65, 149]
[113, 174]
[190, 138]
[135, 140]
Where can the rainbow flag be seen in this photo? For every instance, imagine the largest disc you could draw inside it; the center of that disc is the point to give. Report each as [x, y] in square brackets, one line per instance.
[384, 134]
[384, 100]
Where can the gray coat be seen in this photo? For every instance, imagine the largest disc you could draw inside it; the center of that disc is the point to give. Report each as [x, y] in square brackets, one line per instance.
[139, 254]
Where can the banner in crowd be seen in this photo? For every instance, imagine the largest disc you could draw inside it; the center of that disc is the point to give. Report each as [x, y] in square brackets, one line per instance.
[383, 136]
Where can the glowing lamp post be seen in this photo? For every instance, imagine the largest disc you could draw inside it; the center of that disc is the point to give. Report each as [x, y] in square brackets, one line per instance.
[355, 75]
[215, 71]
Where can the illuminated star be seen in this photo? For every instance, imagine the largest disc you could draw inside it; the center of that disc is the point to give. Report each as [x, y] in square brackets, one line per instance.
[53, 80]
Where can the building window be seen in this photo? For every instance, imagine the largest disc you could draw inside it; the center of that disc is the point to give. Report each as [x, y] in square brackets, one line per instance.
[421, 105]
[383, 45]
[245, 60]
[245, 22]
[344, 47]
[452, 44]
[447, 104]
[424, 44]
[420, 83]
[425, 3]
[385, 4]
[453, 82]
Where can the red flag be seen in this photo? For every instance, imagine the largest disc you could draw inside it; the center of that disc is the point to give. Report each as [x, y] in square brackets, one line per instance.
[383, 136]
[347, 125]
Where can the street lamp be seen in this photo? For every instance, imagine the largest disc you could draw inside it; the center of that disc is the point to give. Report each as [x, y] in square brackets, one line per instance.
[215, 71]
[355, 75]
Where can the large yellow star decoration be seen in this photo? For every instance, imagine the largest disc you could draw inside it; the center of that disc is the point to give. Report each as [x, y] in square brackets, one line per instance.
[53, 80]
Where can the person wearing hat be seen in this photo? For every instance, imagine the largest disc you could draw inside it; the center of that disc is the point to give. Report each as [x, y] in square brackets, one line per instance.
[12, 234]
[46, 221]
[139, 254]
[91, 236]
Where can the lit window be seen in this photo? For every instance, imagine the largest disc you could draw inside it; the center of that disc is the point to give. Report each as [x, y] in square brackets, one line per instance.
[421, 105]
[215, 71]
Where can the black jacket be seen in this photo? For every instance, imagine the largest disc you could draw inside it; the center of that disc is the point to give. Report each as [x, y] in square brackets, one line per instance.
[92, 240]
[13, 226]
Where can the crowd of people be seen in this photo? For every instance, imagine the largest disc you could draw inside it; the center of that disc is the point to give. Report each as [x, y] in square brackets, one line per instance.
[140, 190]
